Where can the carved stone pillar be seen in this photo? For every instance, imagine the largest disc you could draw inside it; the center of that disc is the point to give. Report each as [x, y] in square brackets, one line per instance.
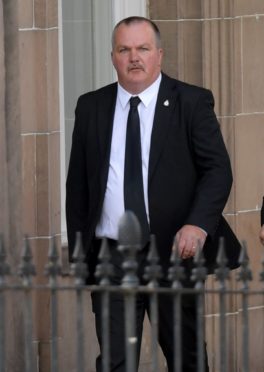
[10, 175]
[10, 160]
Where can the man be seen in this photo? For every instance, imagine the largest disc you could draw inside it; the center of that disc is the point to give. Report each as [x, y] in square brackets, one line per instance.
[186, 177]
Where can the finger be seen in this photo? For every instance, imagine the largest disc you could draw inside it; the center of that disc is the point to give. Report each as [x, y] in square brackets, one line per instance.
[180, 245]
[189, 250]
[185, 252]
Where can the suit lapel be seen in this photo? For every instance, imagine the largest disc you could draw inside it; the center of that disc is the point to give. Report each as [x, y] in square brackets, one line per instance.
[165, 107]
[104, 121]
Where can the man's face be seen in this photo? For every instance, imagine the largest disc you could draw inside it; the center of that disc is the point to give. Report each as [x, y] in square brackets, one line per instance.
[136, 57]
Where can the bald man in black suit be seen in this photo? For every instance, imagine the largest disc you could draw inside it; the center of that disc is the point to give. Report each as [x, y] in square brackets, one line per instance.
[186, 175]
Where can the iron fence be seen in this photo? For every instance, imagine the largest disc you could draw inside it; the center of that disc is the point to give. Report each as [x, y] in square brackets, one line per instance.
[129, 287]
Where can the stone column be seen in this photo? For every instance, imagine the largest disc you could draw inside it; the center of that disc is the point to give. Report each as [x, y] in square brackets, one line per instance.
[40, 141]
[10, 162]
[3, 170]
[10, 175]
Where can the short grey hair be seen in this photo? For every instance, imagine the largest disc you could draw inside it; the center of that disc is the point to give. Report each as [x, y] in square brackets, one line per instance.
[136, 19]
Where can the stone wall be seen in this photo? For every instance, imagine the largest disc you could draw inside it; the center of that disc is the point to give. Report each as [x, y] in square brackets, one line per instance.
[214, 43]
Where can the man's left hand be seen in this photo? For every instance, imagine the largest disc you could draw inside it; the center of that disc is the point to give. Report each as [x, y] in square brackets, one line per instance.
[188, 239]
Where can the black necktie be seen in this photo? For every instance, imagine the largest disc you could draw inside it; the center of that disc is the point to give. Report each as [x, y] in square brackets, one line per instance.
[133, 179]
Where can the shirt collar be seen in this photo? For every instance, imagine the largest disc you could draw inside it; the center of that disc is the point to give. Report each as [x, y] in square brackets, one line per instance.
[146, 96]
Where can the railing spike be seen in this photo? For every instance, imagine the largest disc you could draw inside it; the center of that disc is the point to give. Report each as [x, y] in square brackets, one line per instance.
[53, 252]
[104, 253]
[153, 271]
[261, 274]
[199, 256]
[129, 243]
[79, 268]
[245, 273]
[153, 253]
[104, 270]
[78, 254]
[4, 267]
[53, 268]
[129, 231]
[26, 269]
[2, 248]
[176, 271]
[199, 272]
[222, 271]
[243, 257]
[221, 258]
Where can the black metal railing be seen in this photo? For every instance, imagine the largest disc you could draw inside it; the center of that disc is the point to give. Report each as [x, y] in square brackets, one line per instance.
[129, 288]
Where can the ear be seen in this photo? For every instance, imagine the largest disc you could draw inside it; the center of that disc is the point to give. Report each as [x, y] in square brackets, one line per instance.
[160, 56]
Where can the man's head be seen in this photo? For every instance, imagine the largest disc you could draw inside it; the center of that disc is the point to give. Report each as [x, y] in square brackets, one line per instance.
[136, 53]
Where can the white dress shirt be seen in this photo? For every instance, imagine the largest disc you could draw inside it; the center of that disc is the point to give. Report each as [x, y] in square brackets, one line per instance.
[113, 206]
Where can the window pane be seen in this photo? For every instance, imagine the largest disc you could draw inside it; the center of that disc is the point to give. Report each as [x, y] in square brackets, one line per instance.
[77, 25]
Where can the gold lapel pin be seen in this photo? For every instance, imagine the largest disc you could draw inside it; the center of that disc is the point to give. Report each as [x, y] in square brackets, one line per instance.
[166, 103]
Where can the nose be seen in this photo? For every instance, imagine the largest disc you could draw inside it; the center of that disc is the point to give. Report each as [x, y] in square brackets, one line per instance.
[134, 55]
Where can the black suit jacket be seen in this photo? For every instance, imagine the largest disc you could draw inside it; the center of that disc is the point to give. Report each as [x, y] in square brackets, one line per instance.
[189, 177]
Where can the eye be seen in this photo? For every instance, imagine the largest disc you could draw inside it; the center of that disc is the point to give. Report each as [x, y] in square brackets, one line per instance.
[122, 50]
[144, 48]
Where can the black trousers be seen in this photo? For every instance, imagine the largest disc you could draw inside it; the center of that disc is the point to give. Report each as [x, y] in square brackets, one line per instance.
[165, 309]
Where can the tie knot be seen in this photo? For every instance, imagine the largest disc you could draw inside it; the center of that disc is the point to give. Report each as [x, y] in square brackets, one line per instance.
[134, 101]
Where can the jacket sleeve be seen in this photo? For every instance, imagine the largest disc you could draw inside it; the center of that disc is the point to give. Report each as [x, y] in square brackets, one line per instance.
[76, 184]
[213, 166]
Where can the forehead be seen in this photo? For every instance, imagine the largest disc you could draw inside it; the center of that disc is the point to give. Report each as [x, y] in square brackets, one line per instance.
[134, 33]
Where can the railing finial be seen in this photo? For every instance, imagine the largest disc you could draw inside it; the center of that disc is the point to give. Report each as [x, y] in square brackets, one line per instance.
[4, 267]
[245, 273]
[79, 268]
[53, 268]
[199, 273]
[176, 272]
[26, 269]
[222, 271]
[104, 270]
[129, 243]
[261, 274]
[152, 272]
